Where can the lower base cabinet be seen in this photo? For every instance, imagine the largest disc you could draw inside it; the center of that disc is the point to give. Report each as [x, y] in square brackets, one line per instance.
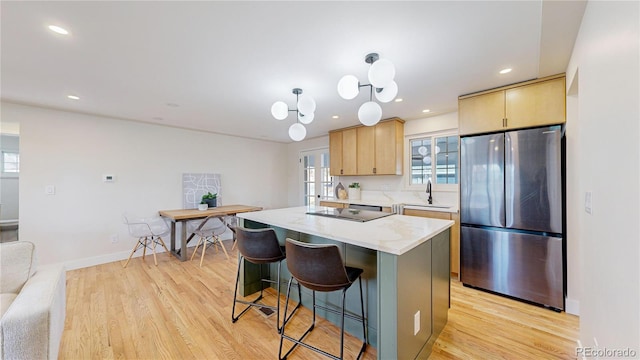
[455, 234]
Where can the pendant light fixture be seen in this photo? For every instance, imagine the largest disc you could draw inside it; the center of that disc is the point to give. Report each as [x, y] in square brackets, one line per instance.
[380, 76]
[305, 107]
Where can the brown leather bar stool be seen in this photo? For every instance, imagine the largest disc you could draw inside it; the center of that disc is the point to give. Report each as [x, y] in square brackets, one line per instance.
[260, 246]
[319, 267]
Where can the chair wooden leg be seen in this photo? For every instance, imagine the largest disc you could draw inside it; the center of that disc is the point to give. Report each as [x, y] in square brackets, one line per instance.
[222, 245]
[132, 252]
[153, 249]
[144, 247]
[204, 249]
[196, 249]
[163, 245]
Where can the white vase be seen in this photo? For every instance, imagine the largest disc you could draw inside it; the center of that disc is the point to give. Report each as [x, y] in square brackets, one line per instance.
[354, 193]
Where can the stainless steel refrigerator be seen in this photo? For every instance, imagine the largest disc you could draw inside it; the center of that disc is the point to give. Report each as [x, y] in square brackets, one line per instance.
[511, 214]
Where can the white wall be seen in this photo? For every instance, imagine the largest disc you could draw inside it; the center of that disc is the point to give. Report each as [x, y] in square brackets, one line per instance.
[9, 181]
[606, 60]
[72, 151]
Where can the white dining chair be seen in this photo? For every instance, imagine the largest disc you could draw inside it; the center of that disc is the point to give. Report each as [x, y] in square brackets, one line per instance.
[149, 232]
[209, 230]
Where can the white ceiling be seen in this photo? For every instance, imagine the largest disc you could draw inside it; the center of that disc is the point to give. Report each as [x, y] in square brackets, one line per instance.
[225, 63]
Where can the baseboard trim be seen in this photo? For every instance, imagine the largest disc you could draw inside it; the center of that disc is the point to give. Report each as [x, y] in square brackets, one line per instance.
[572, 306]
[118, 256]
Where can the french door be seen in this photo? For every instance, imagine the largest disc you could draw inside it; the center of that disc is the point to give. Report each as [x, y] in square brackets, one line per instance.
[316, 182]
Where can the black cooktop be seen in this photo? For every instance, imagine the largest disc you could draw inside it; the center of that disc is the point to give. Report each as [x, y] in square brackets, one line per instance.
[350, 214]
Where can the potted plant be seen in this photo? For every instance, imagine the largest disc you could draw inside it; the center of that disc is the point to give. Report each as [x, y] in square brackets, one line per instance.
[210, 199]
[203, 205]
[354, 191]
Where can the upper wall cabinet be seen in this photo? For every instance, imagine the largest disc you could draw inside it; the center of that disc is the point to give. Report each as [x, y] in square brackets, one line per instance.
[528, 104]
[368, 150]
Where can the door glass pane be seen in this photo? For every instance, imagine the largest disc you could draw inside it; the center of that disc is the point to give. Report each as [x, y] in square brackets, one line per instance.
[316, 178]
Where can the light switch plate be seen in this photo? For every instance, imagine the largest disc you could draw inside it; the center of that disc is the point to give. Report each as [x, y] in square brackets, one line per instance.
[416, 323]
[588, 202]
[50, 190]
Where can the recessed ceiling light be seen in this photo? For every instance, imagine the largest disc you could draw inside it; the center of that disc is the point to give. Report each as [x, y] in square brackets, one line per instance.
[426, 110]
[505, 71]
[398, 100]
[58, 29]
[335, 117]
[73, 97]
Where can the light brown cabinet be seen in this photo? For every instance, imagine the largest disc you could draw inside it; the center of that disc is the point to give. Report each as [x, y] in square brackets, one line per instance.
[333, 204]
[455, 233]
[368, 150]
[532, 103]
[342, 150]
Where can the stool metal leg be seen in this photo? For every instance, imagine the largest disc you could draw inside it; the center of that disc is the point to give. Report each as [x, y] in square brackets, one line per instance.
[342, 313]
[255, 302]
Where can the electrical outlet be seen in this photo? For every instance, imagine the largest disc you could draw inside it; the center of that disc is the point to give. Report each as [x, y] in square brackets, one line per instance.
[50, 190]
[416, 323]
[114, 238]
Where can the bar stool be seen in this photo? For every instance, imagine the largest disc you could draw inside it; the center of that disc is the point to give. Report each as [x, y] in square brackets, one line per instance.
[260, 246]
[319, 267]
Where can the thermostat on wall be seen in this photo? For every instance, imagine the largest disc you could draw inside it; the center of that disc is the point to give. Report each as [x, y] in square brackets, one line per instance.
[108, 178]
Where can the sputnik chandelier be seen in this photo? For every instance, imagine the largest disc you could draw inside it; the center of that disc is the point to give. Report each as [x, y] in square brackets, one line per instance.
[381, 75]
[305, 107]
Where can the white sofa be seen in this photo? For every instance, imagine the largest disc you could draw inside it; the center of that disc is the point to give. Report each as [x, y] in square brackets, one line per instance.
[32, 304]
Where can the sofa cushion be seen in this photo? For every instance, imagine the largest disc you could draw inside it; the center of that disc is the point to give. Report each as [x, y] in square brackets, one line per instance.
[5, 302]
[18, 265]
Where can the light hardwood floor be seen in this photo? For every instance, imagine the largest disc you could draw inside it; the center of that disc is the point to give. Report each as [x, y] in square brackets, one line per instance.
[178, 310]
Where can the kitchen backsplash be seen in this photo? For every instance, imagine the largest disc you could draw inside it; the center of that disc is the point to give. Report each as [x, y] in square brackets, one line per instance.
[390, 189]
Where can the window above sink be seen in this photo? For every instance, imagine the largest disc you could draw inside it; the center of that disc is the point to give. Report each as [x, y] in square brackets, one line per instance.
[433, 156]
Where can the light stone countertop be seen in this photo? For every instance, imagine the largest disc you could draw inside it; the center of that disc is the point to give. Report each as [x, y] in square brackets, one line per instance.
[394, 234]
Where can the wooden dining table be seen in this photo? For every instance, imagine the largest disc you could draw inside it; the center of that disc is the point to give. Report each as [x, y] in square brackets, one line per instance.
[184, 215]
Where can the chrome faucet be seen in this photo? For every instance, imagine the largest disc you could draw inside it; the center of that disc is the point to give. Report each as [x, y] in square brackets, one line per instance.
[430, 199]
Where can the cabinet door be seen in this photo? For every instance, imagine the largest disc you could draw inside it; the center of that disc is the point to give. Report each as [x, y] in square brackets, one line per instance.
[536, 104]
[333, 204]
[365, 150]
[335, 153]
[349, 154]
[428, 214]
[389, 139]
[481, 113]
[454, 234]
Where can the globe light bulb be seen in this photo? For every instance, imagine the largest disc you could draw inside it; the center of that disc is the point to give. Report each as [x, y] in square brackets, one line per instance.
[427, 160]
[348, 87]
[305, 119]
[279, 110]
[370, 113]
[306, 104]
[381, 73]
[422, 150]
[388, 93]
[297, 132]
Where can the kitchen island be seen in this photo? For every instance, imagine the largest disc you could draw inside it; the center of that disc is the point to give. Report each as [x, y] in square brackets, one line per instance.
[406, 273]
